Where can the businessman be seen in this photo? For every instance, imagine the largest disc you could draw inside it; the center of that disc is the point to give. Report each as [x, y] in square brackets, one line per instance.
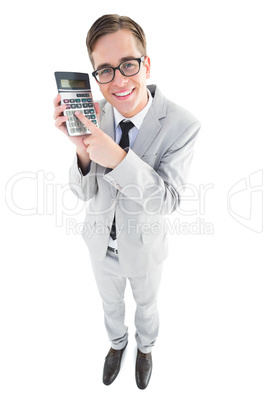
[131, 170]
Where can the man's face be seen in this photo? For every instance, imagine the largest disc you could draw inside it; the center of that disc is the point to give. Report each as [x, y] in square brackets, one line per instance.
[127, 94]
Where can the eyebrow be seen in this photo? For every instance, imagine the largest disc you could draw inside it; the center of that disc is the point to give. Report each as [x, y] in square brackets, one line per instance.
[121, 61]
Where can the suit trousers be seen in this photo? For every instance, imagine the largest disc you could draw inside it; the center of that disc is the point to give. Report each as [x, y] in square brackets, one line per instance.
[111, 283]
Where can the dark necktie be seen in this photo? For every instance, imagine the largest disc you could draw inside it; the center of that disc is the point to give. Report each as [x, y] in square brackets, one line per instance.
[124, 143]
[125, 127]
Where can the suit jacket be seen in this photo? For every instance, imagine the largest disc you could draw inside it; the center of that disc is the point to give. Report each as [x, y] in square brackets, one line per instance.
[142, 189]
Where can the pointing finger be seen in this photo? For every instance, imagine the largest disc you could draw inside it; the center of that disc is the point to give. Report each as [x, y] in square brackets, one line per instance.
[88, 123]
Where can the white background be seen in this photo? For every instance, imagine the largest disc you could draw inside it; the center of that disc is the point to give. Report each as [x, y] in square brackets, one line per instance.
[211, 58]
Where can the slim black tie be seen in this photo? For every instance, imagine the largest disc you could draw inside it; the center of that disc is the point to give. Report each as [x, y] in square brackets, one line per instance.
[125, 127]
[124, 143]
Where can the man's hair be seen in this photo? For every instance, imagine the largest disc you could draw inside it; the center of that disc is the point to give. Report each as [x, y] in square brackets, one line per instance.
[111, 23]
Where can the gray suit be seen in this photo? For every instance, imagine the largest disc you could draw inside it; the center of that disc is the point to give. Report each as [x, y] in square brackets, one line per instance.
[140, 191]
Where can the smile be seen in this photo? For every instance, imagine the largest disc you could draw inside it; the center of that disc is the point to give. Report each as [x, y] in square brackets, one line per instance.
[123, 94]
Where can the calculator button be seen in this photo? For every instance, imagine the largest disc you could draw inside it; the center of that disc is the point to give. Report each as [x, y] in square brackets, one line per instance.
[91, 111]
[86, 111]
[93, 116]
[78, 100]
[94, 121]
[66, 100]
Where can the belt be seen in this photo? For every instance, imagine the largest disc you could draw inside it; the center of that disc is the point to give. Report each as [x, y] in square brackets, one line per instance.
[113, 250]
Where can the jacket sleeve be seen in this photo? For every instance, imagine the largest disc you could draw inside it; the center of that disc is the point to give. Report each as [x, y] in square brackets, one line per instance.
[157, 191]
[84, 187]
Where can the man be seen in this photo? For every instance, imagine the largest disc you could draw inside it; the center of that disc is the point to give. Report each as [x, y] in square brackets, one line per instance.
[131, 186]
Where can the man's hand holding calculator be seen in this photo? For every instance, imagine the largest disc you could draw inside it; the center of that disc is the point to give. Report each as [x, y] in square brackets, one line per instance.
[97, 146]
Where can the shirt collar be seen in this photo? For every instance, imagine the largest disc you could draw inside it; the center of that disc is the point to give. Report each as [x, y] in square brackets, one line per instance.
[138, 118]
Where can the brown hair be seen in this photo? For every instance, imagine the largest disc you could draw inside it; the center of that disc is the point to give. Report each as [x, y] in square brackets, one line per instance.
[111, 23]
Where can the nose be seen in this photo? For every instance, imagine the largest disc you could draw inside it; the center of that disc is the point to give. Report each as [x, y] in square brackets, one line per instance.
[119, 78]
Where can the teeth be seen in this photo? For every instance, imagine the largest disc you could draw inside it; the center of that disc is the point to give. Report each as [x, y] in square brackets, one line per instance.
[123, 93]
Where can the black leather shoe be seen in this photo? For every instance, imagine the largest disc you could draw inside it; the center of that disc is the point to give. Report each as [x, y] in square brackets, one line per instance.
[112, 365]
[144, 367]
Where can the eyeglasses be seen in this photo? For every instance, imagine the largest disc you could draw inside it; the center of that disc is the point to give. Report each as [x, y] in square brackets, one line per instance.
[128, 68]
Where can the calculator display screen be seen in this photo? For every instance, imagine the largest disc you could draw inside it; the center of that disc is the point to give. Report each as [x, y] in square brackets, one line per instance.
[65, 83]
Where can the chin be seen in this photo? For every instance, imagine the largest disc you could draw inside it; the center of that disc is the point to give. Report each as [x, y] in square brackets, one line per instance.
[127, 112]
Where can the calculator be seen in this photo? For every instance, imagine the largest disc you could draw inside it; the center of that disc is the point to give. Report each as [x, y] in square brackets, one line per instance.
[76, 94]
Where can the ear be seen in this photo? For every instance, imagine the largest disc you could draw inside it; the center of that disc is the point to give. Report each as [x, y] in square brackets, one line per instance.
[147, 64]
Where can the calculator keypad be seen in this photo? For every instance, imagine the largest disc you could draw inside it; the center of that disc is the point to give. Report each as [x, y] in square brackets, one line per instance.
[85, 106]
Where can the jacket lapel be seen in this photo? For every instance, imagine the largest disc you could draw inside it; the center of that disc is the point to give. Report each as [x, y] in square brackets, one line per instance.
[147, 133]
[151, 124]
[107, 120]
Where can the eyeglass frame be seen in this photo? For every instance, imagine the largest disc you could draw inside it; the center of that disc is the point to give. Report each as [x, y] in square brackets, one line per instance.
[139, 59]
